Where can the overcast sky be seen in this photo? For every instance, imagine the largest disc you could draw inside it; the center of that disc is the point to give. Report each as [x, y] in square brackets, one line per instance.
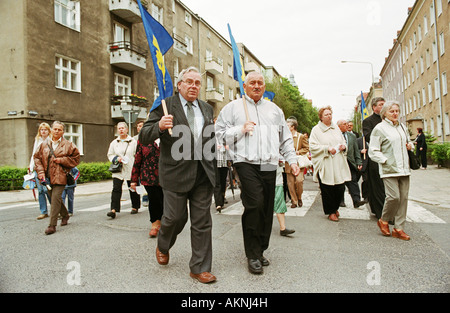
[310, 39]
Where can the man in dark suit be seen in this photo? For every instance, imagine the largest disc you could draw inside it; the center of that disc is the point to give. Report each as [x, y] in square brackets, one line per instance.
[375, 184]
[354, 163]
[186, 171]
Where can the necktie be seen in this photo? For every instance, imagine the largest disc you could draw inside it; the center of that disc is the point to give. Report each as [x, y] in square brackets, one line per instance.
[191, 119]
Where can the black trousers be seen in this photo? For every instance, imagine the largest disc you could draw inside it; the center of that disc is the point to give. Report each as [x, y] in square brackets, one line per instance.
[155, 202]
[353, 186]
[117, 194]
[331, 196]
[422, 155]
[257, 195]
[376, 189]
[221, 185]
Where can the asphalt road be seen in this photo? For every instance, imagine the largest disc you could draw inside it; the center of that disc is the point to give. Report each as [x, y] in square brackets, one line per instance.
[96, 254]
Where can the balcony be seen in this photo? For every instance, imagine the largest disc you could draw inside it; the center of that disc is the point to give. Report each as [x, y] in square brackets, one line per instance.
[127, 9]
[251, 67]
[132, 104]
[179, 46]
[125, 55]
[213, 66]
[214, 95]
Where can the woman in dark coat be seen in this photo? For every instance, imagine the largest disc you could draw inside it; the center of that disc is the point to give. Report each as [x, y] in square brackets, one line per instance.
[421, 148]
[145, 171]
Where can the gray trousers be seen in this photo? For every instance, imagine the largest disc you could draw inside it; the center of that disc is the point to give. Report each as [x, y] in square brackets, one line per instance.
[396, 201]
[175, 216]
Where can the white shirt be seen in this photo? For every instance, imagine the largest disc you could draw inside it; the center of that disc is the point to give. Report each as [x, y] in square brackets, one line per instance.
[199, 120]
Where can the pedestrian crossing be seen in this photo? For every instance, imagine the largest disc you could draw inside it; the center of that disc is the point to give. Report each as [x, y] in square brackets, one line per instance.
[416, 213]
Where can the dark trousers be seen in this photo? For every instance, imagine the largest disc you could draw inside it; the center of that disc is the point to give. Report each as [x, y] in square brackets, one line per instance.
[155, 202]
[221, 185]
[117, 194]
[257, 195]
[331, 196]
[376, 189]
[353, 186]
[175, 217]
[422, 155]
[57, 204]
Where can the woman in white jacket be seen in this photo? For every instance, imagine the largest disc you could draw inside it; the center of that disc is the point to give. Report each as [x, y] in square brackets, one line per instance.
[122, 149]
[328, 152]
[388, 147]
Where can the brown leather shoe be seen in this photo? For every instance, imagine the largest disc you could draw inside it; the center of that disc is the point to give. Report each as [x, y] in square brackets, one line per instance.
[65, 220]
[204, 278]
[293, 205]
[50, 230]
[162, 258]
[400, 234]
[333, 217]
[384, 227]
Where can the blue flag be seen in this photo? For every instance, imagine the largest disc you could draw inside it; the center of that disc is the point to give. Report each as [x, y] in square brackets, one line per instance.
[239, 73]
[364, 112]
[159, 41]
[269, 95]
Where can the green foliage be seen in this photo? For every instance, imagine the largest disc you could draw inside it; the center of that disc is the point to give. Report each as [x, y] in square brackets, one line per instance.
[440, 153]
[91, 172]
[11, 177]
[293, 103]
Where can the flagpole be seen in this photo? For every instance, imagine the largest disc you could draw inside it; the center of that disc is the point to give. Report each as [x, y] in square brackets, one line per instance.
[163, 103]
[246, 112]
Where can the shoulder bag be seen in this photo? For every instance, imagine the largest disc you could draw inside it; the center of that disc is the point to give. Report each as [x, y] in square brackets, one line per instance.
[116, 166]
[414, 163]
[302, 160]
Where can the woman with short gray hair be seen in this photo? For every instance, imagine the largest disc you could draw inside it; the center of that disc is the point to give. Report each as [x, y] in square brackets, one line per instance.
[389, 143]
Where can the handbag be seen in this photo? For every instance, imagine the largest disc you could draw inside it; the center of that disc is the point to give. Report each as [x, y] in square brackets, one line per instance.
[116, 166]
[302, 160]
[414, 163]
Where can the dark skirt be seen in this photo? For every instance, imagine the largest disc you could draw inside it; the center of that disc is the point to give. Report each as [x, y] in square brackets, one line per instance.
[331, 196]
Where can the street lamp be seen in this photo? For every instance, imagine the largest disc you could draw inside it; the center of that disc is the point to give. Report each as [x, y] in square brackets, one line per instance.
[363, 62]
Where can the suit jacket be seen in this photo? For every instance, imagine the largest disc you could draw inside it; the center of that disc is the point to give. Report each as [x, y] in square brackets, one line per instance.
[360, 147]
[178, 170]
[369, 124]
[353, 153]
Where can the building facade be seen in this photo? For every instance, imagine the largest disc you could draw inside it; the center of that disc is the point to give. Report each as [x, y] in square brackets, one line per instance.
[425, 63]
[87, 64]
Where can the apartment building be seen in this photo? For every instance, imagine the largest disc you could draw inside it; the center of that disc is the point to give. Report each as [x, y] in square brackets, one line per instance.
[87, 64]
[425, 63]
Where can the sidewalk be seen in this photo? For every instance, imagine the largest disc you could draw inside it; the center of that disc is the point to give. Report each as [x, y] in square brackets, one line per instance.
[429, 186]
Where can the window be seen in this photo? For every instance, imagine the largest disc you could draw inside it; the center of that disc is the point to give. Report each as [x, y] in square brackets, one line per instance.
[434, 50]
[67, 13]
[441, 43]
[221, 88]
[439, 7]
[418, 99]
[432, 126]
[422, 68]
[424, 97]
[155, 93]
[190, 44]
[121, 33]
[447, 124]
[157, 13]
[432, 17]
[444, 84]
[430, 93]
[188, 18]
[419, 31]
[209, 83]
[427, 56]
[439, 125]
[122, 84]
[425, 25]
[437, 90]
[230, 70]
[74, 133]
[230, 94]
[414, 103]
[67, 74]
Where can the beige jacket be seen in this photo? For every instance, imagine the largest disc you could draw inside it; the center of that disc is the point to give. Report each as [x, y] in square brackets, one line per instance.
[301, 145]
[123, 148]
[332, 169]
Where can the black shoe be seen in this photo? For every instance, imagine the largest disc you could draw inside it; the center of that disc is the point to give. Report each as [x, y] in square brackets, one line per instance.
[111, 214]
[255, 266]
[357, 204]
[286, 232]
[264, 261]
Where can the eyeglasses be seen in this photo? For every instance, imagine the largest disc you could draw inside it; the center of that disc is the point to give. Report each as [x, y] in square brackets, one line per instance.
[191, 82]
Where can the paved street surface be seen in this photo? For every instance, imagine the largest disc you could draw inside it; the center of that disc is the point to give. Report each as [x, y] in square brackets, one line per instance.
[96, 254]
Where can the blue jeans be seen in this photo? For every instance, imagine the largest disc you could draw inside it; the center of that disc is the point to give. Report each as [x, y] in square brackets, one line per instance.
[42, 193]
[69, 191]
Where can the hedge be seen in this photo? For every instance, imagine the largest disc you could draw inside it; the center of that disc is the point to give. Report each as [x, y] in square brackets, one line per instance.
[12, 177]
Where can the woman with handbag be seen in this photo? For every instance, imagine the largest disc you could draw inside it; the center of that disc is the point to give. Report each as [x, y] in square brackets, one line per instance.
[389, 146]
[53, 159]
[43, 132]
[328, 151]
[121, 152]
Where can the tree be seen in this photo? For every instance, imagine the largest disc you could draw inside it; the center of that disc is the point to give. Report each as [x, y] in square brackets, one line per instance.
[293, 103]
